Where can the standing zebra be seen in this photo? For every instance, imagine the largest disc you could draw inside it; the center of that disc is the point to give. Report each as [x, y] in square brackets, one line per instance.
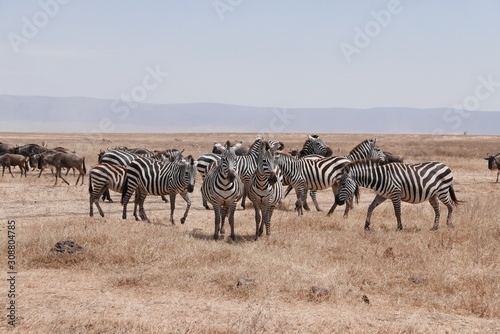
[412, 183]
[365, 149]
[305, 174]
[147, 176]
[265, 188]
[245, 164]
[124, 156]
[314, 148]
[223, 188]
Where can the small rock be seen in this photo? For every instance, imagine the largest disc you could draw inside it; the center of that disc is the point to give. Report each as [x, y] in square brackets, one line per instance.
[245, 282]
[67, 246]
[365, 299]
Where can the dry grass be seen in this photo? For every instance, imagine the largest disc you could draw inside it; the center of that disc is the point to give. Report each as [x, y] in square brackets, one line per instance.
[157, 278]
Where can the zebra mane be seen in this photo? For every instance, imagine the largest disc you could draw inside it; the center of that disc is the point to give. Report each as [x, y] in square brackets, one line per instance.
[364, 162]
[362, 143]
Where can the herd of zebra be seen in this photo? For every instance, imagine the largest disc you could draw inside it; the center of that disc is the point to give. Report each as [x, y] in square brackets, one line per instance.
[231, 173]
[260, 173]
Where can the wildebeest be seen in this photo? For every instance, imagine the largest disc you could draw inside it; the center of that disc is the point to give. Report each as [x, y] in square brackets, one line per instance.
[9, 159]
[63, 160]
[392, 158]
[7, 148]
[494, 162]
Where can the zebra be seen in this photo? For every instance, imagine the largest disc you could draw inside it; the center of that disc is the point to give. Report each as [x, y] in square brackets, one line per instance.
[124, 156]
[366, 149]
[313, 148]
[412, 183]
[222, 187]
[315, 145]
[306, 174]
[494, 162]
[147, 176]
[245, 163]
[265, 188]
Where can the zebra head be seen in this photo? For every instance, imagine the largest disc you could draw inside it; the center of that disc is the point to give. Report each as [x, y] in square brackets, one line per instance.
[190, 172]
[376, 153]
[348, 188]
[315, 145]
[228, 159]
[267, 161]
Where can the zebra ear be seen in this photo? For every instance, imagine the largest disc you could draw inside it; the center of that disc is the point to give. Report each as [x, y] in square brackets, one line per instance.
[237, 145]
[220, 147]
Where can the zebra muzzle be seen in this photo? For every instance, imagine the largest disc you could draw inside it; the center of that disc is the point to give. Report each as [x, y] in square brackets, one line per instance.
[272, 179]
[190, 188]
[339, 201]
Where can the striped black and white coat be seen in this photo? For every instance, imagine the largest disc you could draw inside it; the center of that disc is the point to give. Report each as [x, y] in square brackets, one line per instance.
[265, 188]
[411, 183]
[123, 157]
[222, 188]
[104, 177]
[152, 177]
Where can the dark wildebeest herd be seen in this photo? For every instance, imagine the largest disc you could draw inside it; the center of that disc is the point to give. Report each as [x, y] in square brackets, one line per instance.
[232, 172]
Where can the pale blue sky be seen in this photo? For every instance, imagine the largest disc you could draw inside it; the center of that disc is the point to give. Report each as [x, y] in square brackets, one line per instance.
[257, 53]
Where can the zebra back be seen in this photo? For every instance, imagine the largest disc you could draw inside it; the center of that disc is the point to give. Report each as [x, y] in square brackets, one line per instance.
[367, 149]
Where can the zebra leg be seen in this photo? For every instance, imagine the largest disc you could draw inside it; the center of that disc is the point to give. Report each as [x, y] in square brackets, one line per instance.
[142, 212]
[164, 198]
[312, 193]
[270, 210]
[94, 198]
[435, 205]
[205, 204]
[376, 201]
[498, 173]
[243, 197]
[172, 206]
[396, 202]
[217, 211]
[257, 220]
[449, 204]
[232, 209]
[223, 214]
[185, 196]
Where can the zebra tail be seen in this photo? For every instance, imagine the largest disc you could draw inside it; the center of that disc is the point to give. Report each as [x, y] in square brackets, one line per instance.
[90, 183]
[84, 169]
[125, 188]
[288, 191]
[453, 196]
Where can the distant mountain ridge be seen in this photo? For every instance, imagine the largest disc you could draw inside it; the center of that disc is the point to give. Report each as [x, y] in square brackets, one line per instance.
[80, 114]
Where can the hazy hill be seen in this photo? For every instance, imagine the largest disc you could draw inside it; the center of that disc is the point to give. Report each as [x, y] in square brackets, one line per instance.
[77, 114]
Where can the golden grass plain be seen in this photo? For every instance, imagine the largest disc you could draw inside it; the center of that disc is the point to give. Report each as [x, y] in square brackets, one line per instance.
[158, 278]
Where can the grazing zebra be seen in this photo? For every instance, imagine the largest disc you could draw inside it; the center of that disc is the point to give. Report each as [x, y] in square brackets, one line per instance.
[306, 174]
[265, 188]
[104, 177]
[147, 176]
[367, 149]
[412, 183]
[222, 187]
[494, 162]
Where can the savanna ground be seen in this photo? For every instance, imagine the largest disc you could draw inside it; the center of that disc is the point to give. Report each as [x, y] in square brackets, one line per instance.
[158, 278]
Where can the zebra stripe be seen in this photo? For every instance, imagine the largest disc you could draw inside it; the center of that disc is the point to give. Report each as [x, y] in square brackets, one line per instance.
[411, 183]
[222, 187]
[305, 174]
[101, 178]
[151, 177]
[265, 188]
[367, 149]
[315, 145]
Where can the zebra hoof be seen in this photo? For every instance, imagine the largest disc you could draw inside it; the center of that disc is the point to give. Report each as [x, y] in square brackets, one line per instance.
[183, 220]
